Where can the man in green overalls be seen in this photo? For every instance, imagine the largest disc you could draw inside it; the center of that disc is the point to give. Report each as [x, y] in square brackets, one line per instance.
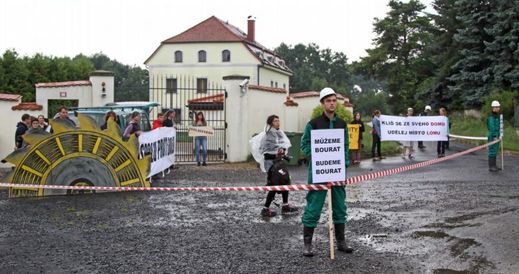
[494, 126]
[315, 199]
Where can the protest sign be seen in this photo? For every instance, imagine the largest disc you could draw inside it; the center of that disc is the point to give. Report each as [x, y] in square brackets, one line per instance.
[354, 135]
[160, 144]
[328, 155]
[415, 128]
[195, 131]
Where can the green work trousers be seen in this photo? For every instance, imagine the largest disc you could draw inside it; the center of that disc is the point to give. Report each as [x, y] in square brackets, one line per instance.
[314, 204]
[493, 149]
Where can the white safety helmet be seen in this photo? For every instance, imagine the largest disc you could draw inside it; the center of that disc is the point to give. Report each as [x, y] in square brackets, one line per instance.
[428, 108]
[495, 104]
[326, 92]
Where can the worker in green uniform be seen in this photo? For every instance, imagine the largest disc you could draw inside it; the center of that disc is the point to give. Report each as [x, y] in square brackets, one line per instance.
[493, 126]
[315, 199]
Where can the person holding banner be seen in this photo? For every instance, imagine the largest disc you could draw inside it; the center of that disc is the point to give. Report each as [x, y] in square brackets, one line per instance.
[315, 199]
[376, 133]
[134, 126]
[169, 118]
[493, 126]
[408, 145]
[200, 140]
[426, 112]
[355, 154]
[159, 121]
[274, 146]
[442, 144]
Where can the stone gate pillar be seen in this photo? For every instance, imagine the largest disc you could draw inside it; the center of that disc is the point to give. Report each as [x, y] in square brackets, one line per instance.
[236, 115]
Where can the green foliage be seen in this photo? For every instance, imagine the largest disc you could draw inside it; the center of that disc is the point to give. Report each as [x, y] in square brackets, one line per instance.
[341, 112]
[470, 126]
[19, 74]
[316, 68]
[505, 99]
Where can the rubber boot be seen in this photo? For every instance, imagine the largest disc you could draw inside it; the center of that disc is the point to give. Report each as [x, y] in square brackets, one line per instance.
[492, 164]
[339, 237]
[308, 234]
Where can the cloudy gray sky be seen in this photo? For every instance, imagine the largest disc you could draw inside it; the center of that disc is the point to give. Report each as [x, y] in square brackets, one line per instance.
[130, 30]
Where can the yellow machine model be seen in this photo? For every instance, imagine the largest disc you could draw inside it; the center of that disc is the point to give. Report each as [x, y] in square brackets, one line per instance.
[84, 156]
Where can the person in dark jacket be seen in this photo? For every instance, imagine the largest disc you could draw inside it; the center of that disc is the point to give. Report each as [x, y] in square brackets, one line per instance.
[63, 117]
[109, 114]
[169, 118]
[315, 198]
[355, 154]
[494, 128]
[376, 133]
[426, 112]
[21, 128]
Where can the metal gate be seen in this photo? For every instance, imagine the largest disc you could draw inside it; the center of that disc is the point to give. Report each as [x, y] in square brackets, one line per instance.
[187, 96]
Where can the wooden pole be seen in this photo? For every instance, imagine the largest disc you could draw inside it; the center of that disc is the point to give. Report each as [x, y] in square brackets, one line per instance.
[330, 223]
[501, 135]
[502, 155]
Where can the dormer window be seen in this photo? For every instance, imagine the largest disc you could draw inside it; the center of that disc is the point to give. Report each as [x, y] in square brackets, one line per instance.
[178, 56]
[226, 56]
[202, 56]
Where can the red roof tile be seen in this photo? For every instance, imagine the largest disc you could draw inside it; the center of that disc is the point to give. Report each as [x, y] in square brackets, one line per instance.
[215, 99]
[27, 106]
[63, 84]
[9, 97]
[268, 89]
[209, 30]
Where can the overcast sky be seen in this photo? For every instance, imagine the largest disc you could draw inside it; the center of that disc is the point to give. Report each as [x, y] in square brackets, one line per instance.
[129, 30]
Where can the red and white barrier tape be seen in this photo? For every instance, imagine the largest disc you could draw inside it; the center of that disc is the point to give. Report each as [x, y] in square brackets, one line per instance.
[298, 187]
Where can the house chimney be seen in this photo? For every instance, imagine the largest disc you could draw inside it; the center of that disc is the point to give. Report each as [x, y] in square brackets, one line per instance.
[250, 28]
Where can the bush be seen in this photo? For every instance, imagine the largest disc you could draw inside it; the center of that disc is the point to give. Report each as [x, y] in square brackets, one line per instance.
[506, 99]
[341, 111]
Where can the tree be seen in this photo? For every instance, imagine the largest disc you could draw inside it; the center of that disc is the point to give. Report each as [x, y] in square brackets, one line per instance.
[398, 57]
[504, 50]
[315, 69]
[473, 78]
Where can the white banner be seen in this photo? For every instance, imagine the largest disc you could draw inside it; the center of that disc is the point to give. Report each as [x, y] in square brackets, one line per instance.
[414, 128]
[328, 155]
[160, 144]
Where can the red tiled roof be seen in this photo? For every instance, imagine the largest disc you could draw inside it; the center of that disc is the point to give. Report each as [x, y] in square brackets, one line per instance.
[9, 97]
[63, 84]
[209, 30]
[268, 89]
[215, 99]
[314, 94]
[27, 106]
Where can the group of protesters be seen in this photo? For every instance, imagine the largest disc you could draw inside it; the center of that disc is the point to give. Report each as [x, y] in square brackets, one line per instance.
[29, 124]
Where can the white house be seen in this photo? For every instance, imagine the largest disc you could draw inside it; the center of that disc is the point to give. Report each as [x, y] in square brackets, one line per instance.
[205, 53]
[96, 91]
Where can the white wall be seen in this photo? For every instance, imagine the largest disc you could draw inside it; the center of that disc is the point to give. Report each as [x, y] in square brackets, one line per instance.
[81, 93]
[97, 86]
[242, 61]
[261, 105]
[268, 75]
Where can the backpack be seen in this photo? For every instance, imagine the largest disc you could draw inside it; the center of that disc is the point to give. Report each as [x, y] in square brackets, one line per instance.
[278, 174]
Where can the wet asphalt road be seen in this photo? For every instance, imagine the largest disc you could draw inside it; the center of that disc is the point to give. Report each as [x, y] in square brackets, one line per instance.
[453, 217]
